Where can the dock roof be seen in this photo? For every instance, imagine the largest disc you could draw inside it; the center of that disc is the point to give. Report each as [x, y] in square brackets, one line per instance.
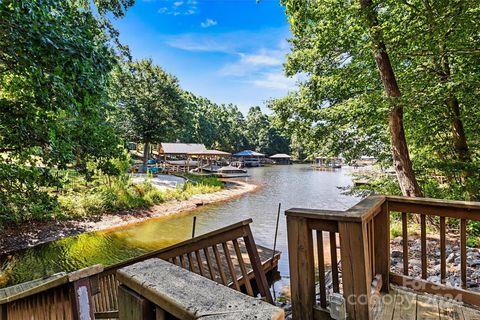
[210, 153]
[248, 153]
[181, 148]
[280, 156]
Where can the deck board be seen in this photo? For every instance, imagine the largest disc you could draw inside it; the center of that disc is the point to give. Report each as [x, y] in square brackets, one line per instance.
[401, 304]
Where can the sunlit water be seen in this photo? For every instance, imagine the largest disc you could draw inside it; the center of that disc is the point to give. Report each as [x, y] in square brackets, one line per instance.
[292, 186]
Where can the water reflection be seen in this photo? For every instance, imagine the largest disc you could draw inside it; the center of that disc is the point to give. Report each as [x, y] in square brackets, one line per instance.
[293, 186]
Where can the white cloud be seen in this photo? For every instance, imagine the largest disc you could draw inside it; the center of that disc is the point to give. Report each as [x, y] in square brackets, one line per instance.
[275, 80]
[249, 63]
[261, 59]
[234, 42]
[208, 23]
[178, 8]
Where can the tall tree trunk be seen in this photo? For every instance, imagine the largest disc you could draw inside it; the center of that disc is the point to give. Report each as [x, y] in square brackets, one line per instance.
[401, 157]
[146, 154]
[458, 133]
[459, 138]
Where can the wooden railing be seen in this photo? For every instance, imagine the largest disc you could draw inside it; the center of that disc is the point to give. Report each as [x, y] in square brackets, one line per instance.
[364, 234]
[209, 255]
[460, 213]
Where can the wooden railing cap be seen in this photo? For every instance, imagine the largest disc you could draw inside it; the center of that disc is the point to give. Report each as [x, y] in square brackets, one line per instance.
[30, 288]
[359, 212]
[85, 272]
[187, 295]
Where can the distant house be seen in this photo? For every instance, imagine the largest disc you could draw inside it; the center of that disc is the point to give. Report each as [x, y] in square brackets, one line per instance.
[250, 158]
[281, 158]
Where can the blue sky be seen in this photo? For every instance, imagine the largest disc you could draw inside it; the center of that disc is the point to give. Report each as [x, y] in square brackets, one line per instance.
[229, 51]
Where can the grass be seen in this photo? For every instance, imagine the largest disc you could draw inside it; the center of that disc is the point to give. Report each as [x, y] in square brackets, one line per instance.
[121, 194]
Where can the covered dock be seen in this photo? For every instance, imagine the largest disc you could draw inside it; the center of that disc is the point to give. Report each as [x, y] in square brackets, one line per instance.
[281, 158]
[323, 162]
[250, 158]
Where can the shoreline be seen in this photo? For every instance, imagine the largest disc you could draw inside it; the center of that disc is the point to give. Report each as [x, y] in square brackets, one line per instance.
[31, 234]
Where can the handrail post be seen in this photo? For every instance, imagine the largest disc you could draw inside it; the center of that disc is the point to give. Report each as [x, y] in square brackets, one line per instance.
[81, 292]
[302, 272]
[381, 247]
[355, 269]
[260, 277]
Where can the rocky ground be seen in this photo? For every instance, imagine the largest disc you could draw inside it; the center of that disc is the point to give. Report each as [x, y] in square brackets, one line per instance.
[433, 252]
[34, 233]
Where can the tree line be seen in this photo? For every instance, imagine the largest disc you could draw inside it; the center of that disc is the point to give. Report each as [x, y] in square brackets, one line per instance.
[70, 96]
[150, 107]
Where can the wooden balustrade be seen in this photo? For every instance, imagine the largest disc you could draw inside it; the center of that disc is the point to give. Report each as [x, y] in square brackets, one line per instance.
[228, 256]
[446, 211]
[364, 246]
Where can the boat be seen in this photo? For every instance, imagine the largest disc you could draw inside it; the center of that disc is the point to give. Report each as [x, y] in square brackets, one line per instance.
[231, 172]
[206, 169]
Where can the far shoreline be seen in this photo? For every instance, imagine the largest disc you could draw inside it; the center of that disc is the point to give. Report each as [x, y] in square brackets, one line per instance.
[31, 234]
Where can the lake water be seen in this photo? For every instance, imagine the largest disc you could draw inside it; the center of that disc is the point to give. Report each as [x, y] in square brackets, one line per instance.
[292, 186]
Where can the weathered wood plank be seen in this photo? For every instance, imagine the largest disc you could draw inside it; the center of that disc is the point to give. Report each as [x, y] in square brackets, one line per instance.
[470, 314]
[463, 252]
[405, 306]
[132, 306]
[383, 309]
[334, 261]
[467, 296]
[321, 270]
[170, 288]
[381, 243]
[33, 287]
[443, 258]
[450, 311]
[356, 269]
[405, 242]
[423, 241]
[302, 278]
[256, 264]
[427, 308]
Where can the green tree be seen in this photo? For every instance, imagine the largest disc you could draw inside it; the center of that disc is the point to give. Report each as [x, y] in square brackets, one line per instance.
[149, 104]
[419, 87]
[262, 136]
[55, 60]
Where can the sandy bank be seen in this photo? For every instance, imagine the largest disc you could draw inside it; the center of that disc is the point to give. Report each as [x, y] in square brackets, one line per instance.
[34, 233]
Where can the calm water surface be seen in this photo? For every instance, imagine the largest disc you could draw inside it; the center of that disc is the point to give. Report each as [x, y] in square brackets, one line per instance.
[292, 186]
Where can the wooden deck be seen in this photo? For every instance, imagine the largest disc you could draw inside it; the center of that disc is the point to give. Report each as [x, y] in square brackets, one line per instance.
[401, 304]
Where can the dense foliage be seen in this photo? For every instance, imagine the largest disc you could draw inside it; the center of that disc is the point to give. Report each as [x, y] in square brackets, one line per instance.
[225, 128]
[342, 107]
[55, 60]
[148, 104]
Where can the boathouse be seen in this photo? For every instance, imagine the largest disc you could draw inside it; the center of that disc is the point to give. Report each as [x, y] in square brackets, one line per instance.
[175, 156]
[281, 158]
[250, 158]
[327, 163]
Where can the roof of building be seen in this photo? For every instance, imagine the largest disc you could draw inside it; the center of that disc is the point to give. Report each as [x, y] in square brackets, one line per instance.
[210, 153]
[280, 156]
[248, 153]
[181, 148]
